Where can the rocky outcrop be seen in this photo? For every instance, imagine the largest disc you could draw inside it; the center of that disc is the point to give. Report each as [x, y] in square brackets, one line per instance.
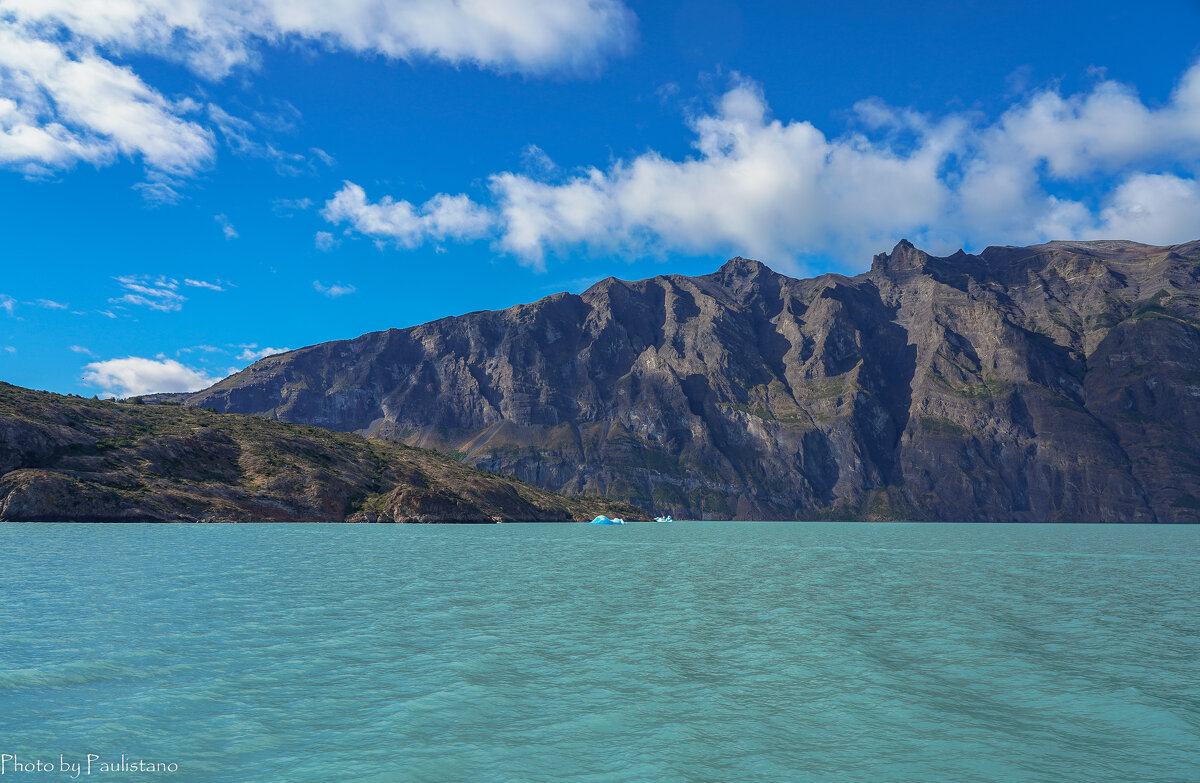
[1053, 382]
[66, 459]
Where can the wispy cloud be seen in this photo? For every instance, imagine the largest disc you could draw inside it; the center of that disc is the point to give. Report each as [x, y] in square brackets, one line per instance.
[324, 241]
[335, 290]
[160, 189]
[204, 284]
[242, 136]
[82, 350]
[288, 207]
[50, 304]
[157, 293]
[8, 304]
[226, 227]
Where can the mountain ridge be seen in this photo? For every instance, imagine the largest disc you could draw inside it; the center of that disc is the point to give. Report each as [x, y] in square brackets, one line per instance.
[1031, 383]
[68, 459]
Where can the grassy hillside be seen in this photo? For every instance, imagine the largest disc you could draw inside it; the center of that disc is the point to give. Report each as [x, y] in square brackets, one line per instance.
[66, 458]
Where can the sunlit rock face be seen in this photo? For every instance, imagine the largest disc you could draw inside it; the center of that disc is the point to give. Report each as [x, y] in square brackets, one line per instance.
[1058, 382]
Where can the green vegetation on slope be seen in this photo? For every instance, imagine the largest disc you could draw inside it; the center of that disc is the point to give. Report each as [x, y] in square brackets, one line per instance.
[71, 459]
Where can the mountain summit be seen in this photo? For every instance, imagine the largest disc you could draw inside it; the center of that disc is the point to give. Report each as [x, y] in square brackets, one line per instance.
[1054, 382]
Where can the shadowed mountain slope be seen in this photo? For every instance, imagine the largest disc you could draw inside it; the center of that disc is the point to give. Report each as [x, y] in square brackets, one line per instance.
[66, 459]
[1053, 382]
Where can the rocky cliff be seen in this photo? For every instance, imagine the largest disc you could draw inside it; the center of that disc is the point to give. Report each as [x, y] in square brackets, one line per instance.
[1045, 383]
[66, 459]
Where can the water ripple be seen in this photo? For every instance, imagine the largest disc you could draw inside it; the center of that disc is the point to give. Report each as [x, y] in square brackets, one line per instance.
[698, 651]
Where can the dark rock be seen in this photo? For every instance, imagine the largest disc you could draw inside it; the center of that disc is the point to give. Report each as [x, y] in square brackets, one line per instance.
[64, 459]
[1053, 382]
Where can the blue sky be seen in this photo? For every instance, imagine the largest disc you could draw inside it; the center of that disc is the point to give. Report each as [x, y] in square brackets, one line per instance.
[189, 184]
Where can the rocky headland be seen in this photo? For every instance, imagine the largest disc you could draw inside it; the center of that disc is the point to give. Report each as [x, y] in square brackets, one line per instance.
[68, 459]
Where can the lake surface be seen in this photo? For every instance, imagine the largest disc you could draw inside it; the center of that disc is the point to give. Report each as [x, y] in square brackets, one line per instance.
[658, 652]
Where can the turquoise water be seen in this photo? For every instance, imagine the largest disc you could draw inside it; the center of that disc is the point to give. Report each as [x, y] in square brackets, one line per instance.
[684, 651]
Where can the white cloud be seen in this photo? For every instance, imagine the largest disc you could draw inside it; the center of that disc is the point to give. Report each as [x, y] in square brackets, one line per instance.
[204, 283]
[50, 304]
[333, 291]
[441, 217]
[215, 36]
[226, 227]
[134, 375]
[1101, 130]
[535, 161]
[287, 207]
[8, 304]
[762, 186]
[784, 190]
[82, 350]
[1152, 208]
[324, 241]
[159, 189]
[10, 348]
[253, 353]
[157, 293]
[241, 134]
[64, 103]
[323, 156]
[65, 99]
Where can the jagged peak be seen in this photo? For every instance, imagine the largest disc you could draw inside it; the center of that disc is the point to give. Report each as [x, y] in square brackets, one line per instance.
[743, 267]
[905, 256]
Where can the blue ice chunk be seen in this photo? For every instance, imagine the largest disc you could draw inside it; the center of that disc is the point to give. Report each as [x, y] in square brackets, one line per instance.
[603, 520]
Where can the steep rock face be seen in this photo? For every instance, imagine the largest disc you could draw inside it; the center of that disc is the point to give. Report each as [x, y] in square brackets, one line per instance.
[1054, 382]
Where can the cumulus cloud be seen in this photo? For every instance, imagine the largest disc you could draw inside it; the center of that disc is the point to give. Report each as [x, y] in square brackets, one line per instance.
[400, 222]
[157, 293]
[1105, 129]
[1159, 207]
[783, 190]
[135, 375]
[333, 291]
[64, 97]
